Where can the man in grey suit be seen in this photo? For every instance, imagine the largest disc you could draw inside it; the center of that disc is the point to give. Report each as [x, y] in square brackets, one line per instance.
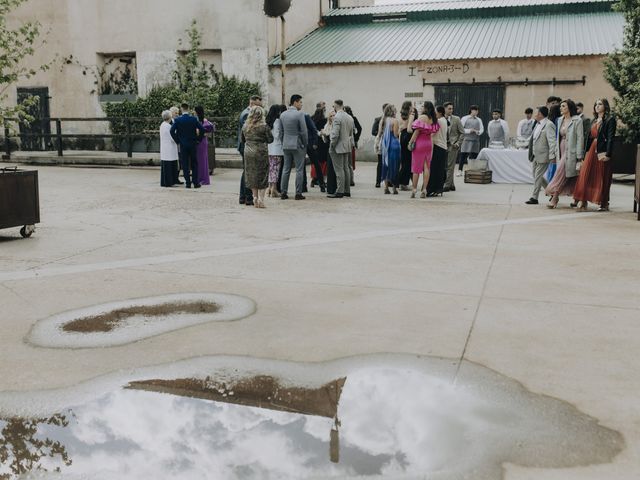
[342, 141]
[455, 135]
[542, 149]
[294, 138]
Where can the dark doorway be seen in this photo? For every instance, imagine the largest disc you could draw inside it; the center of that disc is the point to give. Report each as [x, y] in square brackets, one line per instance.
[35, 137]
[487, 97]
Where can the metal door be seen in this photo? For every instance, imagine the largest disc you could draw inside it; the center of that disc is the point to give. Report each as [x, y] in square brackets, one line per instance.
[487, 97]
[34, 137]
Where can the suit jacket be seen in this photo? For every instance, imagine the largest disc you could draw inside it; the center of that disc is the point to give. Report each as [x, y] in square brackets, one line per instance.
[312, 131]
[606, 135]
[241, 121]
[543, 148]
[294, 133]
[187, 130]
[575, 145]
[456, 131]
[376, 127]
[342, 139]
[586, 126]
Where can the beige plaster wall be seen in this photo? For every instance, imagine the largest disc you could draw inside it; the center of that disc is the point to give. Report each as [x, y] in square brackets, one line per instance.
[367, 86]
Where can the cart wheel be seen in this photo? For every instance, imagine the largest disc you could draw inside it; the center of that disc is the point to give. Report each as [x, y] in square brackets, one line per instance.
[27, 231]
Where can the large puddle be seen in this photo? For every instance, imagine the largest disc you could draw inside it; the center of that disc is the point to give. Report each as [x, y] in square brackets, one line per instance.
[385, 416]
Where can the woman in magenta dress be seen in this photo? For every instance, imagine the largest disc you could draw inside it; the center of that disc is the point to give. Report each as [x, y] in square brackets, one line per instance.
[423, 127]
[203, 148]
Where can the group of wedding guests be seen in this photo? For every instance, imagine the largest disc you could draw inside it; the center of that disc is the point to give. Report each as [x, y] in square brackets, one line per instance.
[274, 142]
[422, 142]
[571, 154]
[182, 138]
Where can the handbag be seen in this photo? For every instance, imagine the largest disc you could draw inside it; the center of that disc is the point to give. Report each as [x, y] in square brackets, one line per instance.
[602, 156]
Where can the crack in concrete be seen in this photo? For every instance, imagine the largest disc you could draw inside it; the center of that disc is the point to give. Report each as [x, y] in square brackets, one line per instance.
[483, 290]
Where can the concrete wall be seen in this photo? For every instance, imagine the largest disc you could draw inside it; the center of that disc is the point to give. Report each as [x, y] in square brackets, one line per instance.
[237, 32]
[365, 87]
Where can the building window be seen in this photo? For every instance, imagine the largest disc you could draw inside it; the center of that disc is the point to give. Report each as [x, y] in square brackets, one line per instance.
[117, 73]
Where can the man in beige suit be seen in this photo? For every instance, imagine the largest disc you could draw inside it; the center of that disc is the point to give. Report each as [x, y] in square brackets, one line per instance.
[455, 135]
[342, 141]
[542, 149]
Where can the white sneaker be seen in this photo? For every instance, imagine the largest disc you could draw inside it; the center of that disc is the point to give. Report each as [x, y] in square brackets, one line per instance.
[459, 173]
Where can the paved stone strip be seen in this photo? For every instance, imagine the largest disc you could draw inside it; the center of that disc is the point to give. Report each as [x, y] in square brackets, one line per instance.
[55, 271]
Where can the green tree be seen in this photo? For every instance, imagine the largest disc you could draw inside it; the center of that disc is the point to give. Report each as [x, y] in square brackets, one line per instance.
[16, 44]
[622, 71]
[194, 82]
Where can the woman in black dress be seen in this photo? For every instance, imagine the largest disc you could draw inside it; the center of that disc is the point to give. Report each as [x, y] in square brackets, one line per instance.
[407, 116]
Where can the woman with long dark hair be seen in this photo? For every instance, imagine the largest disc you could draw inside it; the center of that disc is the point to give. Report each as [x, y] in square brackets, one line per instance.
[276, 155]
[357, 131]
[570, 150]
[423, 128]
[408, 114]
[435, 186]
[594, 181]
[202, 152]
[320, 120]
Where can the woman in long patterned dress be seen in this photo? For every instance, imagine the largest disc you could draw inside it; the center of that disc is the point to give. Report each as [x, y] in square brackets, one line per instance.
[423, 127]
[594, 181]
[570, 151]
[276, 154]
[389, 134]
[202, 152]
[257, 136]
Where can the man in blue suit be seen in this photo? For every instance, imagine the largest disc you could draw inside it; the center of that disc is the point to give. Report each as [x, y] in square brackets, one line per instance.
[187, 132]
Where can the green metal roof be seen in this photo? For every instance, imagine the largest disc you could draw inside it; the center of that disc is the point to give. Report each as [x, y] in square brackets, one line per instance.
[475, 6]
[548, 35]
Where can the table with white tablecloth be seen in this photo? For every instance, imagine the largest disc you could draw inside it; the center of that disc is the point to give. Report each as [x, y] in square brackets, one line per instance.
[507, 165]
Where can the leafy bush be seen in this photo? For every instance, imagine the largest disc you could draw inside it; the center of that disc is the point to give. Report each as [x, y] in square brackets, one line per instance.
[622, 71]
[222, 97]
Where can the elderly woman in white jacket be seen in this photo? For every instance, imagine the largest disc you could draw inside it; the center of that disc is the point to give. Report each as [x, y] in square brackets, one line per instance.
[168, 153]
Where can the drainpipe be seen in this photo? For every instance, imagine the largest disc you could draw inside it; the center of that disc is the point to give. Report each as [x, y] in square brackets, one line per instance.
[283, 66]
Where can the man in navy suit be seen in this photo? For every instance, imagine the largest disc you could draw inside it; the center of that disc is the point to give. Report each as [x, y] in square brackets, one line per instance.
[187, 132]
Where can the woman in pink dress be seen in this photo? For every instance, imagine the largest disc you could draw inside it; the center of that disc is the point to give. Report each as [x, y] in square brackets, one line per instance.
[203, 148]
[423, 127]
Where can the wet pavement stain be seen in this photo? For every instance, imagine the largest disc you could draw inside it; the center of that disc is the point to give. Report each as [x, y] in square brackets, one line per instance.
[384, 416]
[123, 322]
[106, 322]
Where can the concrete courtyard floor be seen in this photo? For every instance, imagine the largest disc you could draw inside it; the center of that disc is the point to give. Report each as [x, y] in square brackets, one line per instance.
[550, 298]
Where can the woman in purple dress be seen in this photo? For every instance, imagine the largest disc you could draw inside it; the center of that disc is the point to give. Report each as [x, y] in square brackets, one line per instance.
[203, 148]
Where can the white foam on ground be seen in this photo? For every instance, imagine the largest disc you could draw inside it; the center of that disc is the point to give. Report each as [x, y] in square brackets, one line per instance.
[49, 333]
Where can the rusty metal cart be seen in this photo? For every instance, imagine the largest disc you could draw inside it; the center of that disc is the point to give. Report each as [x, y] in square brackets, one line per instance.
[19, 200]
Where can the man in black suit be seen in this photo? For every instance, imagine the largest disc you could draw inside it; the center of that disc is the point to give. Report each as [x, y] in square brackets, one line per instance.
[187, 132]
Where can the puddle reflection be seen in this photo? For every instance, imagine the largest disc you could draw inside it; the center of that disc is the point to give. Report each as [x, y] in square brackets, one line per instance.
[382, 421]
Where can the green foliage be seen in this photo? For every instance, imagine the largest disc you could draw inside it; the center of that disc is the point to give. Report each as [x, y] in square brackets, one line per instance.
[22, 447]
[195, 83]
[16, 44]
[622, 71]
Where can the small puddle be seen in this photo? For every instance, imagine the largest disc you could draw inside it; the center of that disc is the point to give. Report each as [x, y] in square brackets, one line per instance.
[120, 323]
[383, 416]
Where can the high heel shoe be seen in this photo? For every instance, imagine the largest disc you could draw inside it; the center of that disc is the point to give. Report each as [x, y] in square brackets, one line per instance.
[413, 193]
[386, 191]
[582, 207]
[554, 202]
[423, 194]
[395, 191]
